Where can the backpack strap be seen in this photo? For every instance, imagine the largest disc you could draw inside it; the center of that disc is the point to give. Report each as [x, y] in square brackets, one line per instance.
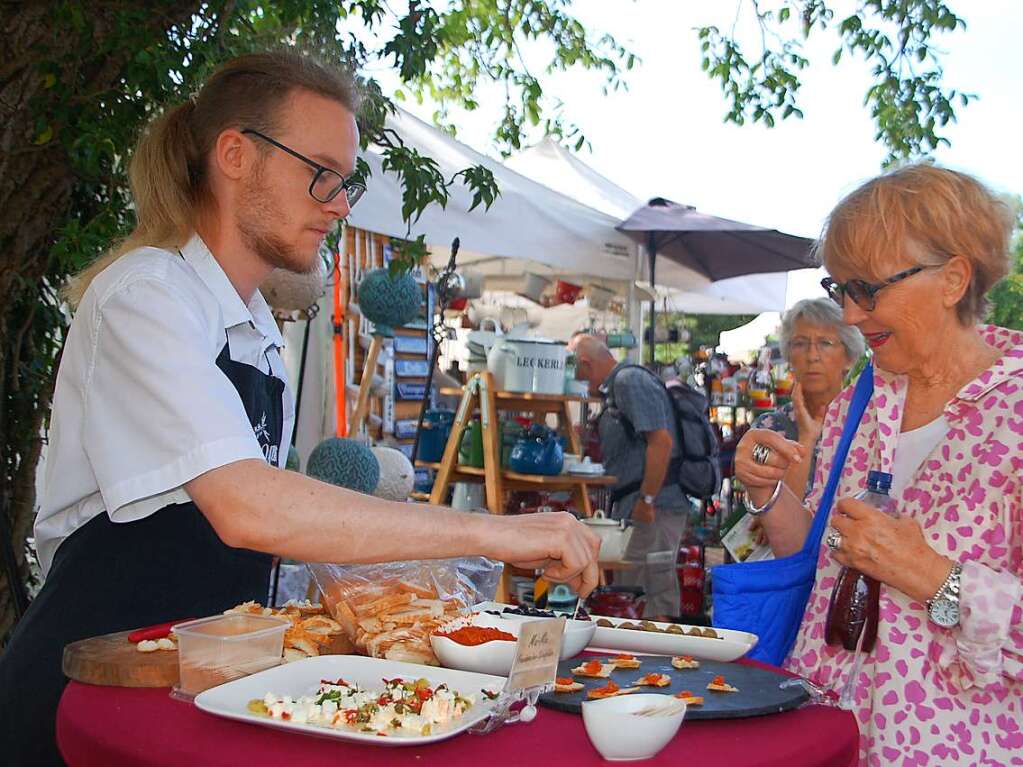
[616, 412]
[674, 465]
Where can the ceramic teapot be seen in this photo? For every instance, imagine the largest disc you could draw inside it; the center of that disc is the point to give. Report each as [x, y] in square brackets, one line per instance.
[539, 452]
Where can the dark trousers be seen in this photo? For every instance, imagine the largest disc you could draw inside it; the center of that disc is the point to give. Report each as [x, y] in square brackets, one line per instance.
[109, 577]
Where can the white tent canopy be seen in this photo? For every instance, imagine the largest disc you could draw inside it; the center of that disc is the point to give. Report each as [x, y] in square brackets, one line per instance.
[556, 167]
[528, 228]
[534, 227]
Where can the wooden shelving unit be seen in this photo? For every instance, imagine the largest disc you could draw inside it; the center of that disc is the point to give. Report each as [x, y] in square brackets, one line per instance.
[480, 395]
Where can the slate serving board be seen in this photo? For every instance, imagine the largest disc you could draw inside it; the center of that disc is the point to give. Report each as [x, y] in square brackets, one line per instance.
[758, 694]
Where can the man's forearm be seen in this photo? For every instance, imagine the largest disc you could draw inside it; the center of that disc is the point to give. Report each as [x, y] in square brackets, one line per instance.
[252, 505]
[655, 467]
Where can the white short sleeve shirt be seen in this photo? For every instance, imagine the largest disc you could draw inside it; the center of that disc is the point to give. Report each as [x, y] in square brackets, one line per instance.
[140, 406]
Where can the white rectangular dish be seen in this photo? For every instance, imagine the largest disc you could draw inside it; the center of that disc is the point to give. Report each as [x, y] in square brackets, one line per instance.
[730, 645]
[303, 677]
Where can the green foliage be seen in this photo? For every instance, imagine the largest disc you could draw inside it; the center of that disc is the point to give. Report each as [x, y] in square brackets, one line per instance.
[704, 330]
[1007, 296]
[483, 40]
[908, 102]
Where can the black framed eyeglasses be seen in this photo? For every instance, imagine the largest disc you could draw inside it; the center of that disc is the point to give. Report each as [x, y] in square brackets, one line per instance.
[862, 292]
[327, 183]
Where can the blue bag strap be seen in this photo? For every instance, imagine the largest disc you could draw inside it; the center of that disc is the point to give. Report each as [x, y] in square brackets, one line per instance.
[861, 396]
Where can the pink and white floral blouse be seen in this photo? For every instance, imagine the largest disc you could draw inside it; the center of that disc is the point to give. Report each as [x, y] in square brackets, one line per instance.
[928, 695]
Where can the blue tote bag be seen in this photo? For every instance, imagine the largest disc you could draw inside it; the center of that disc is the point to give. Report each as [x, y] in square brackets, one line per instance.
[768, 598]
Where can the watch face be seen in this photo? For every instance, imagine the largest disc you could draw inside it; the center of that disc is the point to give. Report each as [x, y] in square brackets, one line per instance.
[945, 612]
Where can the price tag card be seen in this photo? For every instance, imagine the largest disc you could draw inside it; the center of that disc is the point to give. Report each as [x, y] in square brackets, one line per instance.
[536, 654]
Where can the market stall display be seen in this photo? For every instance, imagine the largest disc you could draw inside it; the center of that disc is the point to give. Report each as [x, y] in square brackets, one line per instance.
[99, 726]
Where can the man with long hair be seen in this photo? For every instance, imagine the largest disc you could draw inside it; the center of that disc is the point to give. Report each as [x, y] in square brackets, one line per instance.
[164, 495]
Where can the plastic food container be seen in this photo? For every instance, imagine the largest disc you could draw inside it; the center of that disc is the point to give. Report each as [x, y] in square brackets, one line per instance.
[212, 651]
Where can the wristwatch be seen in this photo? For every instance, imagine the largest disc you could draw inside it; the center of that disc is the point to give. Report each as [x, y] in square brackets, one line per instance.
[649, 499]
[943, 607]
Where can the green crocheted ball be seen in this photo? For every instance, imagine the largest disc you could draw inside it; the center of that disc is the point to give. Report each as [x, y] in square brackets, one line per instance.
[387, 301]
[294, 462]
[345, 463]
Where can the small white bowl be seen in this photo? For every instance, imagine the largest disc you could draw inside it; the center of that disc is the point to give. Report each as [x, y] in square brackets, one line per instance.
[497, 657]
[621, 736]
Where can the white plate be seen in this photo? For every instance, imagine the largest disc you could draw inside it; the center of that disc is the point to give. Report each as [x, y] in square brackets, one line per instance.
[303, 678]
[731, 646]
[497, 657]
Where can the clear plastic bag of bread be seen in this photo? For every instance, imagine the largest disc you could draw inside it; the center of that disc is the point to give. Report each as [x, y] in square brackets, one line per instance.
[389, 610]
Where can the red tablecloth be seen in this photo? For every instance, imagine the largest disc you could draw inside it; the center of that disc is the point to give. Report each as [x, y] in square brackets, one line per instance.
[103, 726]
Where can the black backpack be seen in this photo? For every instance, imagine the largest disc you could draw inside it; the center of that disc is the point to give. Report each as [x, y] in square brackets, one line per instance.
[696, 470]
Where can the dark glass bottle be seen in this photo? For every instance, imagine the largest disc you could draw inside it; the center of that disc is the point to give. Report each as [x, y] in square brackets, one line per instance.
[853, 609]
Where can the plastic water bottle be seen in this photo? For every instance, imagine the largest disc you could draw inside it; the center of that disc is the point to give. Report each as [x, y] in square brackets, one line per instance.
[853, 610]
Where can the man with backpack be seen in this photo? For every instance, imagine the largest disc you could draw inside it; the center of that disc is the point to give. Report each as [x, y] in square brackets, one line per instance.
[656, 443]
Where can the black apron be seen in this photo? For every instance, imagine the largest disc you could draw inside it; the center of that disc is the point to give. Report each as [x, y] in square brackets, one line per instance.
[109, 577]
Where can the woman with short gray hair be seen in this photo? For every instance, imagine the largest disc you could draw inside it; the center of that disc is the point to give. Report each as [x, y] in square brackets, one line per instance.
[820, 349]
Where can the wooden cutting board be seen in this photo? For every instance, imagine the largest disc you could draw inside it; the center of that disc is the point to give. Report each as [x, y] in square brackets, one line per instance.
[113, 660]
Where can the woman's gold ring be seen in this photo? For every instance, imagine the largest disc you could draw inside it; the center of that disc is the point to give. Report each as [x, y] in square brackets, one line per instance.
[761, 454]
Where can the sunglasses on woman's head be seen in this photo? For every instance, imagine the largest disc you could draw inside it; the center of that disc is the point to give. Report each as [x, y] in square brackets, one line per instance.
[862, 292]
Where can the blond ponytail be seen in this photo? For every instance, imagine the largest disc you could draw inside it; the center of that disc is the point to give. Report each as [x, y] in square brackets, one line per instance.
[168, 170]
[162, 175]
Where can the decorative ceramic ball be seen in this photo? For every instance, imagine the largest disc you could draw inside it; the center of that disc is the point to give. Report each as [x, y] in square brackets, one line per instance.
[346, 463]
[390, 302]
[396, 474]
[294, 462]
[291, 291]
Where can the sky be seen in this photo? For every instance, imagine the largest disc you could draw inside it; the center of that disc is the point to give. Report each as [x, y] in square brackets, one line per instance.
[665, 135]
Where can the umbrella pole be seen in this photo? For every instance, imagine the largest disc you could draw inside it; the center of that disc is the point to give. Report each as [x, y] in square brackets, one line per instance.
[651, 249]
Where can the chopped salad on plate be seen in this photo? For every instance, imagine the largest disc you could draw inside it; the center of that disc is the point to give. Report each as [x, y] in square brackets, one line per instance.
[403, 707]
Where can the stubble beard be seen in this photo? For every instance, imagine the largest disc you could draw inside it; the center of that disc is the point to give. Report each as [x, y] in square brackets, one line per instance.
[258, 220]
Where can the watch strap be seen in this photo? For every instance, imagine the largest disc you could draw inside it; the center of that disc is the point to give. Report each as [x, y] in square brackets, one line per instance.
[950, 588]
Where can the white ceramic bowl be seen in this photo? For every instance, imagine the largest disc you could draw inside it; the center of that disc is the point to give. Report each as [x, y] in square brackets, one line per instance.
[577, 637]
[497, 657]
[619, 735]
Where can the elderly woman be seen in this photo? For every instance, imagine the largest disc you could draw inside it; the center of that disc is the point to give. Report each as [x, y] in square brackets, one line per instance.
[911, 256]
[820, 349]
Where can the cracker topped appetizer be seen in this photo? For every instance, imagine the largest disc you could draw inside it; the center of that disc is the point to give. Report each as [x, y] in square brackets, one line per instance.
[594, 669]
[625, 661]
[684, 662]
[718, 684]
[567, 684]
[655, 680]
[690, 698]
[609, 690]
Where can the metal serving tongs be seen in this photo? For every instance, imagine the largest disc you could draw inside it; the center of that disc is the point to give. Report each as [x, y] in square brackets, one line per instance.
[503, 712]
